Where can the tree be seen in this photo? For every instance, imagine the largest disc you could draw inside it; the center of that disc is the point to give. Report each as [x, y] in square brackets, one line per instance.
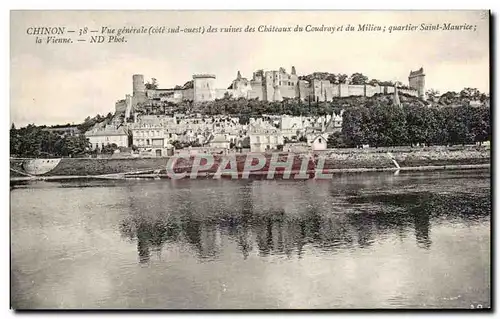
[481, 128]
[153, 85]
[421, 124]
[470, 94]
[109, 148]
[459, 124]
[358, 79]
[335, 140]
[342, 78]
[432, 95]
[177, 145]
[449, 98]
[353, 126]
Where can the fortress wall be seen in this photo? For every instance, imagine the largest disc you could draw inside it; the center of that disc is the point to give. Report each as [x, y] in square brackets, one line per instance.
[372, 90]
[188, 94]
[268, 92]
[343, 90]
[175, 98]
[304, 92]
[220, 93]
[120, 106]
[288, 91]
[356, 90]
[256, 92]
[335, 90]
[330, 92]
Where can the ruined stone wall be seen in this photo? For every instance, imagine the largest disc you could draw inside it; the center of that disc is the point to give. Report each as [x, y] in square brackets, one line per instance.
[288, 91]
[120, 106]
[188, 94]
[371, 90]
[409, 92]
[257, 91]
[221, 93]
[304, 90]
[343, 90]
[356, 90]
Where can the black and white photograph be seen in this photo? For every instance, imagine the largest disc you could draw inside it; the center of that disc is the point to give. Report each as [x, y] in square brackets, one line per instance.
[250, 160]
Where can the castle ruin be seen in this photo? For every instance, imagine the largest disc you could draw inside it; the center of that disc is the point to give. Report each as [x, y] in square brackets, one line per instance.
[265, 86]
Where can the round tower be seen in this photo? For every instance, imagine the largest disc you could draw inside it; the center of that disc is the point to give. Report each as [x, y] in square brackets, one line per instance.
[138, 87]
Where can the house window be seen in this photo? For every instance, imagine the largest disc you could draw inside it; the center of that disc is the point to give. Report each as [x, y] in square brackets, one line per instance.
[319, 140]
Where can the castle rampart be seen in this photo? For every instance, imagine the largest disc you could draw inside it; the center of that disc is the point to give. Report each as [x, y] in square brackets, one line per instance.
[274, 85]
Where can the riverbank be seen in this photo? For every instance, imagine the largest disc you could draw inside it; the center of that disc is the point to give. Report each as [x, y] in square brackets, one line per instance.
[328, 161]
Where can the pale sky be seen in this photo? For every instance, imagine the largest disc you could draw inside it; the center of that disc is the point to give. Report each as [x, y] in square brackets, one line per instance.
[64, 83]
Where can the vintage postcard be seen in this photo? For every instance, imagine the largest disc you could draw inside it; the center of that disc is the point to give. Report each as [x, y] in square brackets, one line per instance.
[250, 160]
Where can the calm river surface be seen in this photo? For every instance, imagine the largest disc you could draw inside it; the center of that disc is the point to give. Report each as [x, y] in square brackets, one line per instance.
[357, 241]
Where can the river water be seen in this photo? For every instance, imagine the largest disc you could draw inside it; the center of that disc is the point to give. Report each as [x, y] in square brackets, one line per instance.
[413, 240]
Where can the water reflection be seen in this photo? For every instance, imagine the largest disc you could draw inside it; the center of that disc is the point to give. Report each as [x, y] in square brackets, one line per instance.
[358, 241]
[258, 216]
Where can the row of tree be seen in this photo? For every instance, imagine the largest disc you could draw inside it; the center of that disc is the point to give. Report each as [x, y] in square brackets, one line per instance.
[36, 141]
[356, 79]
[390, 125]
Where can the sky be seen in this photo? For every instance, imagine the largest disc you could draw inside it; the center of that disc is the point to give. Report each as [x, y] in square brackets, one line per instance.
[64, 83]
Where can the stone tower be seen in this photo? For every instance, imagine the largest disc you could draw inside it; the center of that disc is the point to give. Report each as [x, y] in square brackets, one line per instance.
[416, 81]
[138, 89]
[204, 87]
[268, 85]
[138, 86]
